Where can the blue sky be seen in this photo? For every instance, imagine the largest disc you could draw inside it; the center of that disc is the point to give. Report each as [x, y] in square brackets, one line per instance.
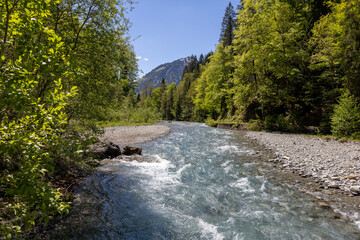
[165, 30]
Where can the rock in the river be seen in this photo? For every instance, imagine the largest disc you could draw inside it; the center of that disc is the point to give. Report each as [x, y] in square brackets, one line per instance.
[113, 150]
[131, 150]
[137, 158]
[105, 150]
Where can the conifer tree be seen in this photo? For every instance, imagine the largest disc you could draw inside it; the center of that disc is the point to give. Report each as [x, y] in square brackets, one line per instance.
[228, 26]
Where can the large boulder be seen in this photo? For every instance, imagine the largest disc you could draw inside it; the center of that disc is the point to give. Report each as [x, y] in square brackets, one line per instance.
[113, 150]
[105, 150]
[131, 150]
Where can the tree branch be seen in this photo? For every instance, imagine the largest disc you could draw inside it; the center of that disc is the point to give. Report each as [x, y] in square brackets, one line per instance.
[7, 20]
[82, 26]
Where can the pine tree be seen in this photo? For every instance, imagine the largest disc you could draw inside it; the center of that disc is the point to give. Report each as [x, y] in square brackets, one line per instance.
[240, 6]
[202, 59]
[346, 118]
[228, 26]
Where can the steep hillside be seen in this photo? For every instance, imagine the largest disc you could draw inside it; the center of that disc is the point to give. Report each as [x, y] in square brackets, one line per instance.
[171, 72]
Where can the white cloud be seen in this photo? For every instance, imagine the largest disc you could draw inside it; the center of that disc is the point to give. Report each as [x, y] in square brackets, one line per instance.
[142, 58]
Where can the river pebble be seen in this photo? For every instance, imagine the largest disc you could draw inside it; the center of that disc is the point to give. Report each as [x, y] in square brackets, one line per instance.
[334, 164]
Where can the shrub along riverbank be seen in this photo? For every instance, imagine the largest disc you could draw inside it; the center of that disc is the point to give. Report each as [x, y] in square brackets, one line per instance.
[64, 66]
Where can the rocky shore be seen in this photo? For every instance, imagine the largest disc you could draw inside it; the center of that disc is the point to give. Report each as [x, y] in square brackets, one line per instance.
[327, 169]
[113, 143]
[331, 163]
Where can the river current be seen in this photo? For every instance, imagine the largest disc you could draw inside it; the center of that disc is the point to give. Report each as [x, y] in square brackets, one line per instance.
[201, 183]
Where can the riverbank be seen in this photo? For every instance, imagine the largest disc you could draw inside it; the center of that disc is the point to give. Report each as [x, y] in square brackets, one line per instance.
[123, 135]
[120, 135]
[325, 168]
[203, 183]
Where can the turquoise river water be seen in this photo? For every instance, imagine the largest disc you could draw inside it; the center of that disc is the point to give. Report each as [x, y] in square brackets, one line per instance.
[202, 183]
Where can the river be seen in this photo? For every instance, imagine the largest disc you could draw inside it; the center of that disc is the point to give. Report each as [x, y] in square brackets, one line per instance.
[201, 183]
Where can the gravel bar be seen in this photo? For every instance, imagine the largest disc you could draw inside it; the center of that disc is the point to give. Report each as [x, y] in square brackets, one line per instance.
[332, 163]
[124, 135]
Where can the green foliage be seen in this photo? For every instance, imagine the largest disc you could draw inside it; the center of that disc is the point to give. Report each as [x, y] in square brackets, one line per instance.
[212, 91]
[132, 116]
[285, 67]
[100, 55]
[161, 102]
[32, 117]
[254, 125]
[346, 118]
[211, 122]
[278, 123]
[59, 60]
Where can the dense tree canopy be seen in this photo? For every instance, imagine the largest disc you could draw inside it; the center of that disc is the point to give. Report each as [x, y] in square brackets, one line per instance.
[289, 65]
[61, 63]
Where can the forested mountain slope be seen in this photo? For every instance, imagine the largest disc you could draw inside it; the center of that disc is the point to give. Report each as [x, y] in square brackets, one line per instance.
[171, 72]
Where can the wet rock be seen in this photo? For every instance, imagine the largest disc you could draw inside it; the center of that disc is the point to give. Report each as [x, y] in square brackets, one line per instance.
[131, 150]
[137, 158]
[113, 150]
[105, 150]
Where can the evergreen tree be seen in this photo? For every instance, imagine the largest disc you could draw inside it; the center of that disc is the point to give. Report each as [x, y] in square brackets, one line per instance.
[202, 59]
[240, 6]
[162, 96]
[228, 26]
[169, 114]
[346, 118]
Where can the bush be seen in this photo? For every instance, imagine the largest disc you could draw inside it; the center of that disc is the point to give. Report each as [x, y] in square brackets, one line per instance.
[211, 122]
[345, 121]
[278, 123]
[254, 125]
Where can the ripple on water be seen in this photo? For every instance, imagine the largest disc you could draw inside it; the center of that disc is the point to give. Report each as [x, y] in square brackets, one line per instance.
[202, 184]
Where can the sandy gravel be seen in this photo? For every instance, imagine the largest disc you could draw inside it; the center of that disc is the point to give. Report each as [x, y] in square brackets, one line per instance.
[330, 162]
[124, 135]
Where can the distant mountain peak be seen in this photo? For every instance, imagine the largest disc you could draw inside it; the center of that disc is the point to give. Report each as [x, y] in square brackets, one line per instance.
[171, 72]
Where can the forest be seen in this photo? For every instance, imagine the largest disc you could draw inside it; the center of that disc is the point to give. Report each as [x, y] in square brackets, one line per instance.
[284, 65]
[67, 67]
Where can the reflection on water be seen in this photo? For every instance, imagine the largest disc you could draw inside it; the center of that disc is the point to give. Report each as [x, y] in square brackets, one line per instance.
[202, 183]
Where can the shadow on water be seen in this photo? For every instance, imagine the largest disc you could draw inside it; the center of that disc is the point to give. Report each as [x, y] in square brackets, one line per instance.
[107, 207]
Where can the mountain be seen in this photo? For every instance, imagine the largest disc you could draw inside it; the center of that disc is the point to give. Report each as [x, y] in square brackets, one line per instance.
[171, 72]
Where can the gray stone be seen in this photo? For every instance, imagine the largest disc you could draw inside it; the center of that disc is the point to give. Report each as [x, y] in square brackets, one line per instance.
[355, 189]
[105, 150]
[113, 150]
[334, 185]
[131, 150]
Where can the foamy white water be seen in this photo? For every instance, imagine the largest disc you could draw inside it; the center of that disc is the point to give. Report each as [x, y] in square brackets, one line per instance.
[203, 183]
